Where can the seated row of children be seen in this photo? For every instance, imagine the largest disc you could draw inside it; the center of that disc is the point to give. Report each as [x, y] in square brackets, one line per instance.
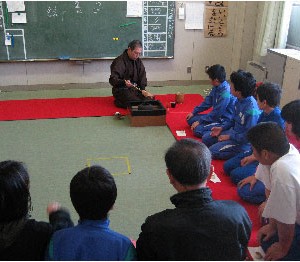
[227, 136]
[234, 112]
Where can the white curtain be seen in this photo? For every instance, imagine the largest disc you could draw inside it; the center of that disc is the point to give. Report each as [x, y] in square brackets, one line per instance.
[274, 26]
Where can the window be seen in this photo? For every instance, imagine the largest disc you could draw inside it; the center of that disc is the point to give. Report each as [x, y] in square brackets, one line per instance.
[293, 39]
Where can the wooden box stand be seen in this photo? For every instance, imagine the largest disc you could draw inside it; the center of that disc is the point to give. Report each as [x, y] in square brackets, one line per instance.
[150, 113]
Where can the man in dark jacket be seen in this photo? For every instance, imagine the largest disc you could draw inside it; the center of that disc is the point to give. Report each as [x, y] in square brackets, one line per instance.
[128, 76]
[199, 228]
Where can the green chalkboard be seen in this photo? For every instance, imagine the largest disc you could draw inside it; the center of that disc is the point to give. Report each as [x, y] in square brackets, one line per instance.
[85, 30]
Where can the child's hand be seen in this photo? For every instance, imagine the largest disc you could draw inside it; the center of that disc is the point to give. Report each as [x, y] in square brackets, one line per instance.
[223, 138]
[216, 131]
[248, 180]
[189, 116]
[52, 207]
[247, 160]
[265, 233]
[275, 252]
[194, 125]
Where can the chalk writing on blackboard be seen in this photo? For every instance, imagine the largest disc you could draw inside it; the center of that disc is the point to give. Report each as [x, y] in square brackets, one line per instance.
[52, 11]
[77, 7]
[98, 7]
[158, 27]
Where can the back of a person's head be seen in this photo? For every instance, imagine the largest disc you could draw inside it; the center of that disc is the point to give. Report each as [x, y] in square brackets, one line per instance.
[188, 161]
[216, 72]
[269, 136]
[14, 191]
[244, 82]
[271, 92]
[93, 192]
[135, 43]
[291, 114]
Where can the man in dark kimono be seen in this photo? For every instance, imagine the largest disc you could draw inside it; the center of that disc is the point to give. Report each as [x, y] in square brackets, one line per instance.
[128, 76]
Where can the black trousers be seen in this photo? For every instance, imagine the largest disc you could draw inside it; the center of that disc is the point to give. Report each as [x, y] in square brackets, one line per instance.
[123, 96]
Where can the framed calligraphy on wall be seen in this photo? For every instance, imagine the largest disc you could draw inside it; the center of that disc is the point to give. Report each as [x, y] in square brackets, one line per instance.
[215, 18]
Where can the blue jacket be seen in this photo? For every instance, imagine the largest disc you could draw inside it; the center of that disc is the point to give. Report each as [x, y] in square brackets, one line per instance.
[274, 116]
[222, 102]
[90, 240]
[245, 116]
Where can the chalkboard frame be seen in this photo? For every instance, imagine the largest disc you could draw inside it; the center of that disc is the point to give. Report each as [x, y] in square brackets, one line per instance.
[126, 25]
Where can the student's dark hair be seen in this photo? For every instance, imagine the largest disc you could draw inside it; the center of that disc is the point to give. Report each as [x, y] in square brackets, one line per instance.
[188, 161]
[15, 201]
[244, 82]
[216, 72]
[93, 192]
[269, 136]
[135, 43]
[291, 114]
[271, 92]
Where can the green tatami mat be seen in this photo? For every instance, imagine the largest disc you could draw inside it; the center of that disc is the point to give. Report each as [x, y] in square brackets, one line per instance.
[54, 150]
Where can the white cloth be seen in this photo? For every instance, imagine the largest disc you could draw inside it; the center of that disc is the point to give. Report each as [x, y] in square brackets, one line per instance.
[263, 174]
[283, 203]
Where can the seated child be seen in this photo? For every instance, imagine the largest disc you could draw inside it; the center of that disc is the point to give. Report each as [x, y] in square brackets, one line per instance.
[280, 238]
[253, 190]
[268, 99]
[291, 114]
[230, 138]
[22, 237]
[93, 193]
[219, 98]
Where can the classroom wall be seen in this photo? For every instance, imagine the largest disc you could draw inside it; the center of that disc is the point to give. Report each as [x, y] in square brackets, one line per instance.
[191, 50]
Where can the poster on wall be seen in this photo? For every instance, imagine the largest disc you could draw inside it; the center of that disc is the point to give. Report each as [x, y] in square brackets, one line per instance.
[215, 19]
[194, 15]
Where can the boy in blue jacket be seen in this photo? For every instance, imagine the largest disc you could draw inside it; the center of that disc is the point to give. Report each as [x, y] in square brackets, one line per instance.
[268, 99]
[220, 99]
[230, 138]
[93, 193]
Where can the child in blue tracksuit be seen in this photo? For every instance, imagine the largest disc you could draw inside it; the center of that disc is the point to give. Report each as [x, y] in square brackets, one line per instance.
[268, 99]
[93, 193]
[219, 99]
[230, 138]
[250, 188]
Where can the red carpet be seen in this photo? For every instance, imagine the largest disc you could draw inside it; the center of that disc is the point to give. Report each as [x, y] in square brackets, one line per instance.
[104, 106]
[57, 108]
[74, 107]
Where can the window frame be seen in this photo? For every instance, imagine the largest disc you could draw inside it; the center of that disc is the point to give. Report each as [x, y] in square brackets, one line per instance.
[289, 45]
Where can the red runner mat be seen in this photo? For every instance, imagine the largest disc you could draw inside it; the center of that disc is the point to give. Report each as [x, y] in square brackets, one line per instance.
[75, 107]
[58, 108]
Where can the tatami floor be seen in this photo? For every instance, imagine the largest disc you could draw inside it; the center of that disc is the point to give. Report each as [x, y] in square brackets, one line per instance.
[55, 149]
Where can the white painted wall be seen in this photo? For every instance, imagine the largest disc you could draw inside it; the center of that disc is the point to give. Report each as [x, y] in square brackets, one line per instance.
[191, 49]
